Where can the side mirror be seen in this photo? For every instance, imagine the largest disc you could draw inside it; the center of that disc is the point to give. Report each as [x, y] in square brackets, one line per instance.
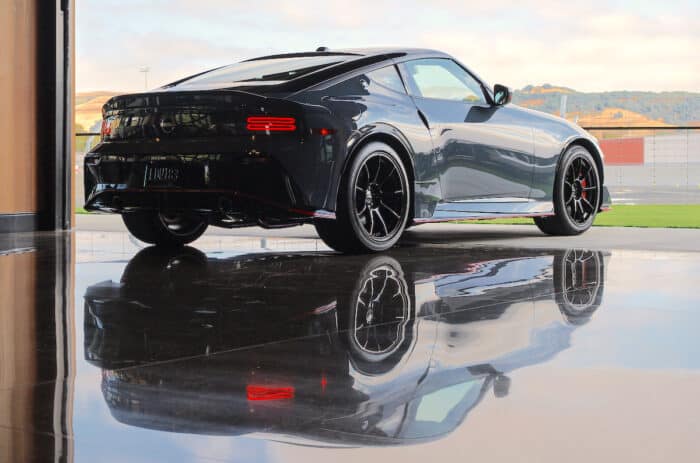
[501, 386]
[501, 95]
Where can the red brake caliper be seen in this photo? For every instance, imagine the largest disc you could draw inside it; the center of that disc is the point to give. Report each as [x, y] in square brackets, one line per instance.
[584, 193]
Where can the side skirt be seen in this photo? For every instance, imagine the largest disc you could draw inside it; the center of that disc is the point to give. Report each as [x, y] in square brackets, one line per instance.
[488, 209]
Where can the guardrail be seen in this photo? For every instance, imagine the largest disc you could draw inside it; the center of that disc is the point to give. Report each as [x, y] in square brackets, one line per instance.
[643, 164]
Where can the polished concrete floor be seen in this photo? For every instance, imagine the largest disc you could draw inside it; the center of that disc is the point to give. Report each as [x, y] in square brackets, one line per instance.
[455, 346]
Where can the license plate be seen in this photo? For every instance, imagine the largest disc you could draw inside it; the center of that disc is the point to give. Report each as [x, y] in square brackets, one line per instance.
[162, 176]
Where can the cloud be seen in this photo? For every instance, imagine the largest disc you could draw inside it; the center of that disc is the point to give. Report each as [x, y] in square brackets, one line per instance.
[589, 46]
[605, 52]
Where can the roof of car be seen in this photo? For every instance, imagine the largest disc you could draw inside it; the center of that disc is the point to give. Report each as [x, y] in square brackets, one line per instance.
[349, 59]
[359, 52]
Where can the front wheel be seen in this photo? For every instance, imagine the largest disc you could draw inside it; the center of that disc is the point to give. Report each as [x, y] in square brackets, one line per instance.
[577, 191]
[373, 204]
[165, 229]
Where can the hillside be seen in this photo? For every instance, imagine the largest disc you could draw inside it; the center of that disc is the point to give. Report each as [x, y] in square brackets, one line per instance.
[88, 109]
[587, 109]
[614, 108]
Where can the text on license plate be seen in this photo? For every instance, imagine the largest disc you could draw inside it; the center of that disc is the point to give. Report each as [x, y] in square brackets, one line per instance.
[162, 175]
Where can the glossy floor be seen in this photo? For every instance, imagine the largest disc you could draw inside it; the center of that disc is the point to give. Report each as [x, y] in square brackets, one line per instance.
[272, 349]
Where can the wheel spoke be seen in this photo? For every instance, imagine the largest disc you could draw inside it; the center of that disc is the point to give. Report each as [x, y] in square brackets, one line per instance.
[379, 168]
[396, 214]
[387, 177]
[589, 204]
[381, 291]
[381, 219]
[366, 169]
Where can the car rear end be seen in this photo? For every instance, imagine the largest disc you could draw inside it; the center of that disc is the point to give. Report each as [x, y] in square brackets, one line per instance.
[242, 154]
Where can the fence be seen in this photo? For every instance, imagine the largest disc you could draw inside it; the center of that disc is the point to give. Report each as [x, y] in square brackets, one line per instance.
[651, 165]
[654, 165]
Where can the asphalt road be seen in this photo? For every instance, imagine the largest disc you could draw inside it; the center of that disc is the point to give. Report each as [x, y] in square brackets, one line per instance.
[471, 235]
[648, 194]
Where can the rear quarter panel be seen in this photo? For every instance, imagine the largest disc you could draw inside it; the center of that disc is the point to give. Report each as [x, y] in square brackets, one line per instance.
[358, 108]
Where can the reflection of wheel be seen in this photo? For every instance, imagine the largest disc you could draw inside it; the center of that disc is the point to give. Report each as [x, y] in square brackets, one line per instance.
[154, 266]
[576, 194]
[164, 229]
[578, 280]
[373, 203]
[379, 311]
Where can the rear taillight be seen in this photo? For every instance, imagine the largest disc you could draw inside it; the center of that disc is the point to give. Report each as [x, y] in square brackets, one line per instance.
[271, 124]
[256, 392]
[106, 129]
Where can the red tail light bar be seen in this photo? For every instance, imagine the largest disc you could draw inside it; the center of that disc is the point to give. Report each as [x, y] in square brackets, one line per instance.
[271, 124]
[258, 392]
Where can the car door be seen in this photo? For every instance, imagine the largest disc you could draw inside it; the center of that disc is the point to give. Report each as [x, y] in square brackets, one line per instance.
[484, 151]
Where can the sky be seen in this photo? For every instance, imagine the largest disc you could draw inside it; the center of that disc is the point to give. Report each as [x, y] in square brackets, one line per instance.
[594, 45]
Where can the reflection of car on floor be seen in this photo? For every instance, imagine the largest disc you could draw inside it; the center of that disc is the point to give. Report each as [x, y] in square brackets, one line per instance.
[386, 350]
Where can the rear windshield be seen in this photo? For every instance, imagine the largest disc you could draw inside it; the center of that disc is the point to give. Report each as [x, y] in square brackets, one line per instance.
[266, 70]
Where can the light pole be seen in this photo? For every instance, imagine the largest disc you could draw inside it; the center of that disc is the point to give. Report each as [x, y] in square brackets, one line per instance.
[145, 70]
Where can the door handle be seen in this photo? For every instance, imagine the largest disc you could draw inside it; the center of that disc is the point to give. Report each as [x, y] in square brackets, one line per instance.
[424, 119]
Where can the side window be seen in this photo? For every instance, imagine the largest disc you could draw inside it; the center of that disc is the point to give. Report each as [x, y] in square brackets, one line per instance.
[387, 77]
[444, 79]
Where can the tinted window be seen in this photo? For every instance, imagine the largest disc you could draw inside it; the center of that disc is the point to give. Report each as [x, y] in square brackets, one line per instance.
[443, 79]
[387, 77]
[277, 69]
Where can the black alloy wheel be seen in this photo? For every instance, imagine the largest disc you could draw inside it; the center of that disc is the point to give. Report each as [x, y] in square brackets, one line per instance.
[577, 194]
[373, 204]
[379, 196]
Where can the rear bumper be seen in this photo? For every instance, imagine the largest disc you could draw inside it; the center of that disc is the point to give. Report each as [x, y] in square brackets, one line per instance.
[253, 188]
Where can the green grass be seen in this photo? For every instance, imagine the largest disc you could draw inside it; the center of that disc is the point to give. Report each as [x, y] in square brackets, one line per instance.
[647, 215]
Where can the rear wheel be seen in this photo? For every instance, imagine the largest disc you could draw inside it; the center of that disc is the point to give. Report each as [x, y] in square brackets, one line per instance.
[165, 229]
[576, 194]
[373, 204]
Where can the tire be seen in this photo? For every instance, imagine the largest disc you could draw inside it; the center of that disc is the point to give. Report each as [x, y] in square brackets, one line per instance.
[373, 204]
[165, 230]
[577, 194]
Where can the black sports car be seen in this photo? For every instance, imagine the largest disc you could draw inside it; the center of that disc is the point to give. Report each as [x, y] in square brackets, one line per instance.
[362, 143]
